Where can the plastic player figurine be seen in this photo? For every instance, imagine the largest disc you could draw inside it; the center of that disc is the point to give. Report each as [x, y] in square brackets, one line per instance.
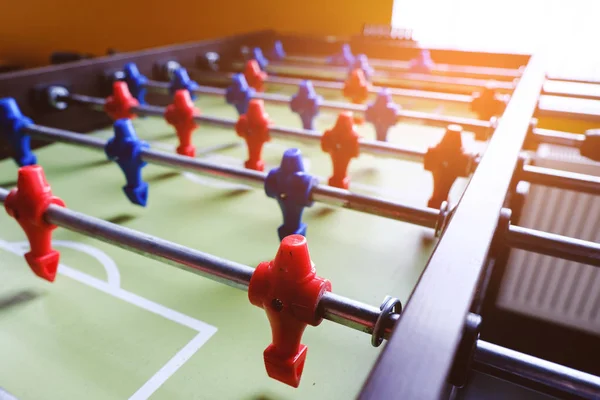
[341, 142]
[254, 128]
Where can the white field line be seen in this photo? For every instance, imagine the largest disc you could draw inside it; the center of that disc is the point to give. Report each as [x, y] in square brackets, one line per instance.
[172, 365]
[112, 287]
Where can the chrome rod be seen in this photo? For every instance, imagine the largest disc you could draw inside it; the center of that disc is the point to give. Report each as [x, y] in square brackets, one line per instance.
[410, 93]
[303, 135]
[336, 308]
[463, 84]
[255, 179]
[427, 217]
[95, 103]
[224, 78]
[404, 67]
[561, 179]
[534, 369]
[60, 135]
[215, 268]
[163, 88]
[558, 137]
[469, 124]
[551, 244]
[571, 90]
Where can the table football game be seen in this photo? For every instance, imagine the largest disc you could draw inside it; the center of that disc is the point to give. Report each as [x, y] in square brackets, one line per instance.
[271, 216]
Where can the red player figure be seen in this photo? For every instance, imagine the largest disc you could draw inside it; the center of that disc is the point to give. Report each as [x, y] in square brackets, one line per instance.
[488, 103]
[254, 128]
[255, 76]
[27, 204]
[289, 291]
[119, 104]
[341, 142]
[181, 115]
[446, 161]
[356, 89]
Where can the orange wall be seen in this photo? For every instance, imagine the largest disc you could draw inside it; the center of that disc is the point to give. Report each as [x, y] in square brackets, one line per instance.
[31, 30]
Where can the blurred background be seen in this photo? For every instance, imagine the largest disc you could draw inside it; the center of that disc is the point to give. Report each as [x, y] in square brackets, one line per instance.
[31, 30]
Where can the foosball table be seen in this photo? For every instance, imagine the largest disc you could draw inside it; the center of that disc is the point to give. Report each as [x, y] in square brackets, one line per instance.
[438, 207]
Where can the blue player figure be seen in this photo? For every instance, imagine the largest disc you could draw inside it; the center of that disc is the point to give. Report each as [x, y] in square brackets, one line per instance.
[362, 62]
[292, 187]
[306, 103]
[277, 53]
[126, 150]
[239, 93]
[12, 123]
[181, 80]
[422, 64]
[262, 61]
[135, 81]
[343, 59]
[382, 113]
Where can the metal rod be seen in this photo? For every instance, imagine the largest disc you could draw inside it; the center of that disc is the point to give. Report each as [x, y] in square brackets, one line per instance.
[303, 135]
[468, 84]
[333, 307]
[427, 217]
[571, 79]
[342, 106]
[571, 90]
[558, 137]
[276, 98]
[551, 244]
[410, 93]
[338, 86]
[469, 124]
[462, 84]
[163, 88]
[534, 369]
[573, 109]
[561, 179]
[95, 103]
[404, 66]
[220, 270]
[63, 136]
[244, 176]
[354, 314]
[339, 309]
[389, 150]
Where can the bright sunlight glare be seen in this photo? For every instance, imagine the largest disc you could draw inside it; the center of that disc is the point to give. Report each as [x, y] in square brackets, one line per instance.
[507, 25]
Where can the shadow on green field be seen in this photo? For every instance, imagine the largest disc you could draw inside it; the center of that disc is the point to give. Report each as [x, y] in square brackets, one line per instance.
[15, 299]
[163, 177]
[121, 219]
[8, 184]
[94, 164]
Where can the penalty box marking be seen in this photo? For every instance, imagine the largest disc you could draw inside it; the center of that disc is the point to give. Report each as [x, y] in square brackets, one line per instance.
[113, 288]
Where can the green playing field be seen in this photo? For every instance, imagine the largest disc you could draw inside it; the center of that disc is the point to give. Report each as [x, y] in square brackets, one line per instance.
[117, 325]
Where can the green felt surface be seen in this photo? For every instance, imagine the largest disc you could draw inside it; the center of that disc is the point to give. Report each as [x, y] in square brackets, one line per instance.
[82, 337]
